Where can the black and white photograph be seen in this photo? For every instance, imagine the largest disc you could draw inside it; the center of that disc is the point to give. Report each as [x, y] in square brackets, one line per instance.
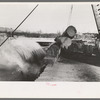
[53, 42]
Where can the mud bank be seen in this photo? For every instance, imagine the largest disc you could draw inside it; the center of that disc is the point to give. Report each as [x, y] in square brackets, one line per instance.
[68, 70]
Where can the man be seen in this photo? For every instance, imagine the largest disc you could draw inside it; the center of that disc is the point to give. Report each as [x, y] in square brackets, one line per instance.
[65, 40]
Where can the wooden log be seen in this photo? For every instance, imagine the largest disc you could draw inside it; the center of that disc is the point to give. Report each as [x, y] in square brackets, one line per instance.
[70, 32]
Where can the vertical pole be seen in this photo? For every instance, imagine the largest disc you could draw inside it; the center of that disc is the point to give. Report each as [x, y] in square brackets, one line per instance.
[95, 18]
[97, 42]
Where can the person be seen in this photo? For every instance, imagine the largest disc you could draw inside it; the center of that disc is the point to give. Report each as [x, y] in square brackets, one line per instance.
[65, 40]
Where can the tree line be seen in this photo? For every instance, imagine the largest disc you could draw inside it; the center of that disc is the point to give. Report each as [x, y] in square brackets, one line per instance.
[33, 34]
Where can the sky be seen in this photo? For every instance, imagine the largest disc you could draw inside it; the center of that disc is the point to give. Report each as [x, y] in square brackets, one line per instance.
[47, 17]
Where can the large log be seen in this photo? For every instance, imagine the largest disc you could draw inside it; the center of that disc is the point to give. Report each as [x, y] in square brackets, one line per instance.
[70, 32]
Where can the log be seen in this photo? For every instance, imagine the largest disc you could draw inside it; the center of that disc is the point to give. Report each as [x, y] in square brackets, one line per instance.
[70, 32]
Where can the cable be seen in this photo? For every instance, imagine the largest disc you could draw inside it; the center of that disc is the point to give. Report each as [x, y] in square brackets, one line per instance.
[19, 24]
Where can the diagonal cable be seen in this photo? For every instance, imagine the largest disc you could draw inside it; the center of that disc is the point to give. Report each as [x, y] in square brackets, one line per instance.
[19, 24]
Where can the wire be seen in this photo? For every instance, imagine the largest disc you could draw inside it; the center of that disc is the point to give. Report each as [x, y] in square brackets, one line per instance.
[70, 15]
[19, 24]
